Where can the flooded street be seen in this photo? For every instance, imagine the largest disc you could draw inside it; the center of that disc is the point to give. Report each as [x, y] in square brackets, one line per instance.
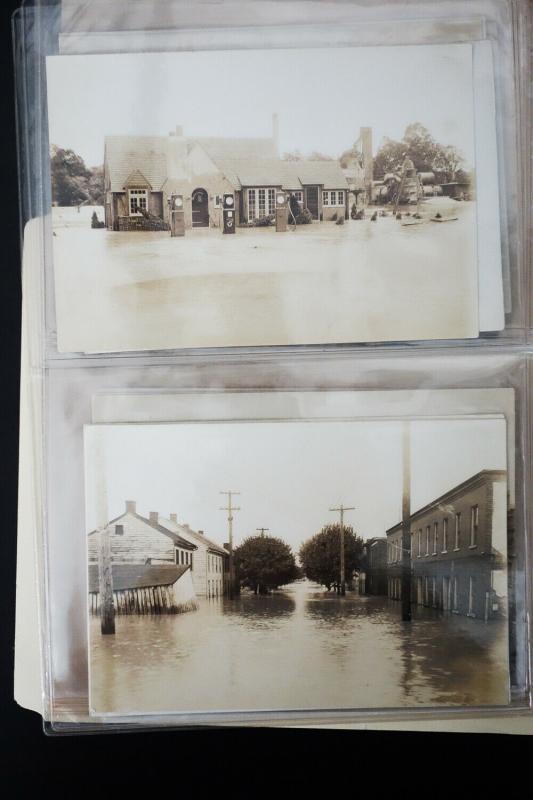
[361, 281]
[297, 649]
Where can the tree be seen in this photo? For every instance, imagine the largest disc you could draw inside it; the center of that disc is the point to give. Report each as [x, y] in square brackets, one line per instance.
[95, 186]
[320, 555]
[293, 155]
[426, 154]
[448, 163]
[264, 563]
[72, 182]
[389, 158]
[421, 147]
[316, 156]
[296, 155]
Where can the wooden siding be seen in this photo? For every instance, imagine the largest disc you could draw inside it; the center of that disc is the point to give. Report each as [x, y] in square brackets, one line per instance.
[138, 542]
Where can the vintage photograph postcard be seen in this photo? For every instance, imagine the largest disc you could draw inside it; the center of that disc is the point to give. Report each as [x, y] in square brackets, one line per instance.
[264, 197]
[297, 564]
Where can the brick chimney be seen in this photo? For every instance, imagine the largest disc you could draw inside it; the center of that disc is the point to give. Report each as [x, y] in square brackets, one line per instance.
[176, 154]
[154, 517]
[200, 532]
[174, 518]
[131, 505]
[368, 159]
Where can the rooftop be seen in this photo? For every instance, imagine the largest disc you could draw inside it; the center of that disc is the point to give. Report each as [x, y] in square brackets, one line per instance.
[479, 477]
[138, 576]
[244, 162]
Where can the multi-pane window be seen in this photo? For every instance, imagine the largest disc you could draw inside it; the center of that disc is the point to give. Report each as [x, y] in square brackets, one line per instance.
[445, 536]
[427, 539]
[419, 537]
[299, 195]
[333, 198]
[474, 525]
[138, 201]
[435, 537]
[251, 204]
[457, 543]
[261, 203]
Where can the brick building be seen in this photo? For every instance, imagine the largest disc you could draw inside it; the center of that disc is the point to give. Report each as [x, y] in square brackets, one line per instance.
[141, 172]
[458, 549]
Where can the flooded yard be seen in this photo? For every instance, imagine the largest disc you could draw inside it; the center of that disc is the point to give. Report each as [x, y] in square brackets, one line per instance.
[361, 281]
[297, 649]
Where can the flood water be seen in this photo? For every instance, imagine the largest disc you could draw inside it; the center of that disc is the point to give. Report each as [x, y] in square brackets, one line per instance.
[361, 281]
[297, 649]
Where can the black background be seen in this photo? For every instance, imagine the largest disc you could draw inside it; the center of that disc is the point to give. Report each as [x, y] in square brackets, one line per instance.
[232, 761]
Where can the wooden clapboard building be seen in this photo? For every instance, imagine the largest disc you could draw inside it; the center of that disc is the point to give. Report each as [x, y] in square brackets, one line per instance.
[210, 572]
[146, 589]
[151, 565]
[142, 172]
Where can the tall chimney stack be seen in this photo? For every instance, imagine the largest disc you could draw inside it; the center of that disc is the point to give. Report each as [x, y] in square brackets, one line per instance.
[174, 518]
[130, 506]
[154, 517]
[368, 158]
[275, 132]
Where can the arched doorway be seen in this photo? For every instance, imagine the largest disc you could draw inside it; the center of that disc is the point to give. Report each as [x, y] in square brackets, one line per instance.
[200, 209]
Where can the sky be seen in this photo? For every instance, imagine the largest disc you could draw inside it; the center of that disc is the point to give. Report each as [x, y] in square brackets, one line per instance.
[322, 96]
[289, 474]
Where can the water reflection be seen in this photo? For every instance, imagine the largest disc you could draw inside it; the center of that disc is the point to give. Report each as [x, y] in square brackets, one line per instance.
[300, 648]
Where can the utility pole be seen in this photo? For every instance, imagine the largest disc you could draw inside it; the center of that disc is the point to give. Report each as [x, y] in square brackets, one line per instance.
[342, 509]
[105, 583]
[105, 568]
[406, 523]
[230, 508]
[262, 531]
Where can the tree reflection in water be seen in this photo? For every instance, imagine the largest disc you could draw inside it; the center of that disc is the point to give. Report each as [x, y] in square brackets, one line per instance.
[299, 647]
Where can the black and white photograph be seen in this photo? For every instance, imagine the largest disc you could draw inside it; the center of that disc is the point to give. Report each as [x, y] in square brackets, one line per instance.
[298, 564]
[256, 197]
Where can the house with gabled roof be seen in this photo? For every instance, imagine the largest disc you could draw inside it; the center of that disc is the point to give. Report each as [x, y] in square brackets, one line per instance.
[135, 539]
[151, 565]
[210, 572]
[142, 172]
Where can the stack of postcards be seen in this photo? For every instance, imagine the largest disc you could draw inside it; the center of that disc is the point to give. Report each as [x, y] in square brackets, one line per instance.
[276, 364]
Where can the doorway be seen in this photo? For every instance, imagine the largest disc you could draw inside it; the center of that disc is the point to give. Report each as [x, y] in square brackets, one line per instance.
[311, 193]
[200, 209]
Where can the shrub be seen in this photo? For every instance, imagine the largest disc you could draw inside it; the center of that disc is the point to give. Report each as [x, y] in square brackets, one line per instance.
[95, 222]
[263, 222]
[304, 217]
[340, 221]
[334, 218]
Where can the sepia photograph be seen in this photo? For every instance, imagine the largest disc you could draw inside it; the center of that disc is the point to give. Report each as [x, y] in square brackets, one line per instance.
[256, 197]
[298, 564]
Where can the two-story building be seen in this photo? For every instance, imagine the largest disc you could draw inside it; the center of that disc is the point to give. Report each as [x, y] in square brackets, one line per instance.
[142, 550]
[210, 569]
[458, 549]
[373, 575]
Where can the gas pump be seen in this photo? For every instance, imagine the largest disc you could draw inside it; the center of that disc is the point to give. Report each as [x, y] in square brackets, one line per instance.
[177, 215]
[228, 211]
[281, 211]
